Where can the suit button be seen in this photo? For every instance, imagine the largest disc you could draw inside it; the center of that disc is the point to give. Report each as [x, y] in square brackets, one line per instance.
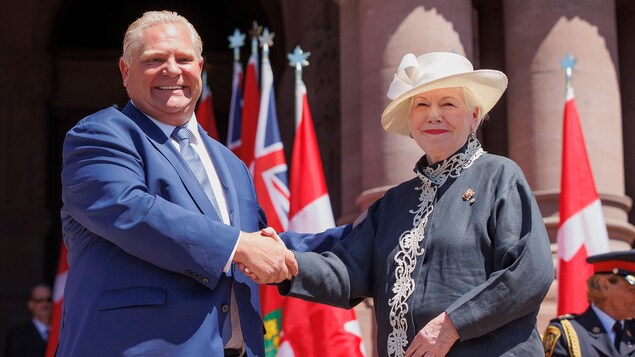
[224, 308]
[205, 280]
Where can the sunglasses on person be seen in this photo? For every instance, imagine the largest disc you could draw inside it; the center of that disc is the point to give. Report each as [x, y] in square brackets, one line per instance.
[627, 275]
[41, 300]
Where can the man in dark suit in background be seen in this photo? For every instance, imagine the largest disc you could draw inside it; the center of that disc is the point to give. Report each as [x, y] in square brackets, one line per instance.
[606, 328]
[29, 340]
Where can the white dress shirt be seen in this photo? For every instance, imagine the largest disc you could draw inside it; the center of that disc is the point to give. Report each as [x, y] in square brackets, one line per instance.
[236, 341]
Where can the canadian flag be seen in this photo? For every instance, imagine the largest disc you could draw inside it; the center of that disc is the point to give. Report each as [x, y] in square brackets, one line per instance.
[205, 110]
[58, 297]
[324, 330]
[581, 230]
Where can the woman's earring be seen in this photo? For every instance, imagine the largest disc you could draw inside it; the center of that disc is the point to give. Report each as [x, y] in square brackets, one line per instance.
[411, 137]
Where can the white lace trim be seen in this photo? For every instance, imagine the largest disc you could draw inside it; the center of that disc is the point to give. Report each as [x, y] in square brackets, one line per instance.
[410, 247]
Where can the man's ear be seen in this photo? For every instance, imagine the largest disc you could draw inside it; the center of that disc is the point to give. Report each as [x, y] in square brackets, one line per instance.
[604, 283]
[123, 68]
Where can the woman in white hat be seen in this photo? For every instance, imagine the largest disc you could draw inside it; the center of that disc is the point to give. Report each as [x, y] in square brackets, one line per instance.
[457, 259]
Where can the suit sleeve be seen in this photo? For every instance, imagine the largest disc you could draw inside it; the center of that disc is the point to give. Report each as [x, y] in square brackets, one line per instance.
[104, 189]
[339, 277]
[316, 242]
[523, 267]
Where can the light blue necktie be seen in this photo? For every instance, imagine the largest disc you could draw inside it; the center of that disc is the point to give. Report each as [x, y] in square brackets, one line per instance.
[182, 134]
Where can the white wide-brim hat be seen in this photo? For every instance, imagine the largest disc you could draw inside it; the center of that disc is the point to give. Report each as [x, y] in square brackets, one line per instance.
[437, 70]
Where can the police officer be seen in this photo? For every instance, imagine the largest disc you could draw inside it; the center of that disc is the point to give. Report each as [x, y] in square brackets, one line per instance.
[607, 327]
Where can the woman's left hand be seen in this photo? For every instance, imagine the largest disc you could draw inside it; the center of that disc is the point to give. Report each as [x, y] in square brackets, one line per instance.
[435, 339]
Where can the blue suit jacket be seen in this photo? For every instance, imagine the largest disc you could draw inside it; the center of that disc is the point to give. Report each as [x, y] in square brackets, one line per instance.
[146, 248]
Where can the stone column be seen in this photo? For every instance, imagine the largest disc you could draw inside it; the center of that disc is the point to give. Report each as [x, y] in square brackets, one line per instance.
[538, 34]
[350, 108]
[626, 31]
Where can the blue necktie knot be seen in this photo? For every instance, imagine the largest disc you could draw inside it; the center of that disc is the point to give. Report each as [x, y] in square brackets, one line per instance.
[183, 135]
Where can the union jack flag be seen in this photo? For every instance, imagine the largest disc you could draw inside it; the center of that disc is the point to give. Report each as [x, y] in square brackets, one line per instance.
[270, 167]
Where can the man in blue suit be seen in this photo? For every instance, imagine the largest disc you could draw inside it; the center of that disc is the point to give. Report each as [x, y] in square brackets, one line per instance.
[153, 247]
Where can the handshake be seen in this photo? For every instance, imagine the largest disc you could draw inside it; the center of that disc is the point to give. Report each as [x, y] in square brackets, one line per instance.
[264, 258]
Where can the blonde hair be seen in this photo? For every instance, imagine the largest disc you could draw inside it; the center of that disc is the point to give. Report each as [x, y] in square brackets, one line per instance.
[134, 33]
[472, 102]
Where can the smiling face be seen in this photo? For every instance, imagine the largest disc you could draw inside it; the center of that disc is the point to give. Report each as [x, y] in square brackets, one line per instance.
[163, 78]
[441, 121]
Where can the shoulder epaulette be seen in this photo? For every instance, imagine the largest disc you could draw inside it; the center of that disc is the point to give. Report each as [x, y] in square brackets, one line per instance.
[553, 333]
[564, 317]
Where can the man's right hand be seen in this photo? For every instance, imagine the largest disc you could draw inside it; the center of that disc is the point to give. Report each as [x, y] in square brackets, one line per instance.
[268, 261]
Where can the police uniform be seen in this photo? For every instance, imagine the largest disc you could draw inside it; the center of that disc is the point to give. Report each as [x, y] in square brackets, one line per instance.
[584, 335]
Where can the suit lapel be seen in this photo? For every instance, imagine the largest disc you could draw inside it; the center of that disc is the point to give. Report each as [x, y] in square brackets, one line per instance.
[598, 337]
[224, 175]
[165, 147]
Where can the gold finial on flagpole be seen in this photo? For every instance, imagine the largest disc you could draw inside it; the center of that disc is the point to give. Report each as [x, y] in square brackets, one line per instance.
[254, 33]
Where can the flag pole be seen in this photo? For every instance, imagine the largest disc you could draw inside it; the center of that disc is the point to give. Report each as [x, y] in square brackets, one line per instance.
[581, 228]
[254, 33]
[236, 41]
[310, 211]
[251, 101]
[234, 123]
[567, 65]
[266, 41]
[298, 59]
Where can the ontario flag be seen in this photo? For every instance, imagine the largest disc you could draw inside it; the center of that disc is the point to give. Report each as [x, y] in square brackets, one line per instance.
[323, 330]
[251, 109]
[205, 110]
[58, 298]
[235, 110]
[581, 230]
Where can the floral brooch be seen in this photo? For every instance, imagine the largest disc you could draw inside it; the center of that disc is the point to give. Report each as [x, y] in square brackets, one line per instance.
[468, 196]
